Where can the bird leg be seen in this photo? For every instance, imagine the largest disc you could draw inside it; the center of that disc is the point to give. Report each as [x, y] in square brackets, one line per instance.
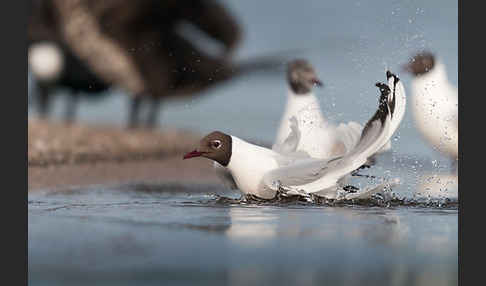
[71, 107]
[43, 101]
[153, 115]
[134, 111]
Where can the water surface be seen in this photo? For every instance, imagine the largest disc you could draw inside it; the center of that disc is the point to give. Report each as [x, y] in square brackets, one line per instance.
[150, 233]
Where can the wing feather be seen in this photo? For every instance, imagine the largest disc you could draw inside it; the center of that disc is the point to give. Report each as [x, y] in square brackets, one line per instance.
[320, 175]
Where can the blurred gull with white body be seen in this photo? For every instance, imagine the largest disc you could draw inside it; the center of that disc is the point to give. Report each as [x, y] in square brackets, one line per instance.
[317, 136]
[434, 103]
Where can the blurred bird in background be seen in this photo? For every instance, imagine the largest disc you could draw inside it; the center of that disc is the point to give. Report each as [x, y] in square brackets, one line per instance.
[434, 103]
[435, 112]
[150, 49]
[54, 65]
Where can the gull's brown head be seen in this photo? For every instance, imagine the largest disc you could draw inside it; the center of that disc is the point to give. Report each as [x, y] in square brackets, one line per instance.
[302, 76]
[216, 146]
[420, 64]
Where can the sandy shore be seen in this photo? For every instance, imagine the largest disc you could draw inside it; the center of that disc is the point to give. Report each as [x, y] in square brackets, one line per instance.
[62, 156]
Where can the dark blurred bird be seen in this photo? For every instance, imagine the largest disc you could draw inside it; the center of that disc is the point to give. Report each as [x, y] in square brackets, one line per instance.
[152, 48]
[53, 63]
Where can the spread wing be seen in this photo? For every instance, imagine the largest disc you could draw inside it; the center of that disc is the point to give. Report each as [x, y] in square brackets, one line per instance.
[398, 101]
[317, 175]
[399, 104]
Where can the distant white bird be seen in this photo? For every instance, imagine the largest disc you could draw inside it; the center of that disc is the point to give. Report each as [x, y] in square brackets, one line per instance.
[434, 103]
[46, 61]
[318, 137]
[262, 172]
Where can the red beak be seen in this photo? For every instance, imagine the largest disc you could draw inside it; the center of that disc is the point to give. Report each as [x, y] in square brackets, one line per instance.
[192, 154]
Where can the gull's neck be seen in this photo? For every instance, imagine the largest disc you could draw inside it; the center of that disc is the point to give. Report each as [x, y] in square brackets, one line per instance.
[433, 87]
[299, 102]
[432, 79]
[291, 95]
[242, 151]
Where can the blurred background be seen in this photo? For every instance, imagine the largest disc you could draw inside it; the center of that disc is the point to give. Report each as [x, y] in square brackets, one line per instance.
[350, 43]
[198, 66]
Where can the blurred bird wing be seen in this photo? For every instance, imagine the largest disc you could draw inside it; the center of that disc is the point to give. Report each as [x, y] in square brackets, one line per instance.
[349, 133]
[214, 19]
[290, 143]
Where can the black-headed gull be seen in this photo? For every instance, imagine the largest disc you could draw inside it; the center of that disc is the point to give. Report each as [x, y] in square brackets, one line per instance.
[303, 117]
[304, 128]
[262, 172]
[434, 103]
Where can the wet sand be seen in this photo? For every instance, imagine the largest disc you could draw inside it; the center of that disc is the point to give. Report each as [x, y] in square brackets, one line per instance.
[62, 155]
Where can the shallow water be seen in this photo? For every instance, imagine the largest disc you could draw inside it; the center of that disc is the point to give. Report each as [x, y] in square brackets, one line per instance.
[152, 233]
[124, 237]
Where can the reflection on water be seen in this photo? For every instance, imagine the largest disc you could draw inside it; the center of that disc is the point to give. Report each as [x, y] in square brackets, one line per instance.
[147, 235]
[251, 226]
[258, 226]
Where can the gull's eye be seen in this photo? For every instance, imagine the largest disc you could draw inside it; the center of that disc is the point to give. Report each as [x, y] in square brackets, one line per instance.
[216, 144]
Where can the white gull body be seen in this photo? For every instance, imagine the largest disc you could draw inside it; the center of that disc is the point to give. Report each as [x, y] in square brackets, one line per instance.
[248, 164]
[435, 109]
[261, 172]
